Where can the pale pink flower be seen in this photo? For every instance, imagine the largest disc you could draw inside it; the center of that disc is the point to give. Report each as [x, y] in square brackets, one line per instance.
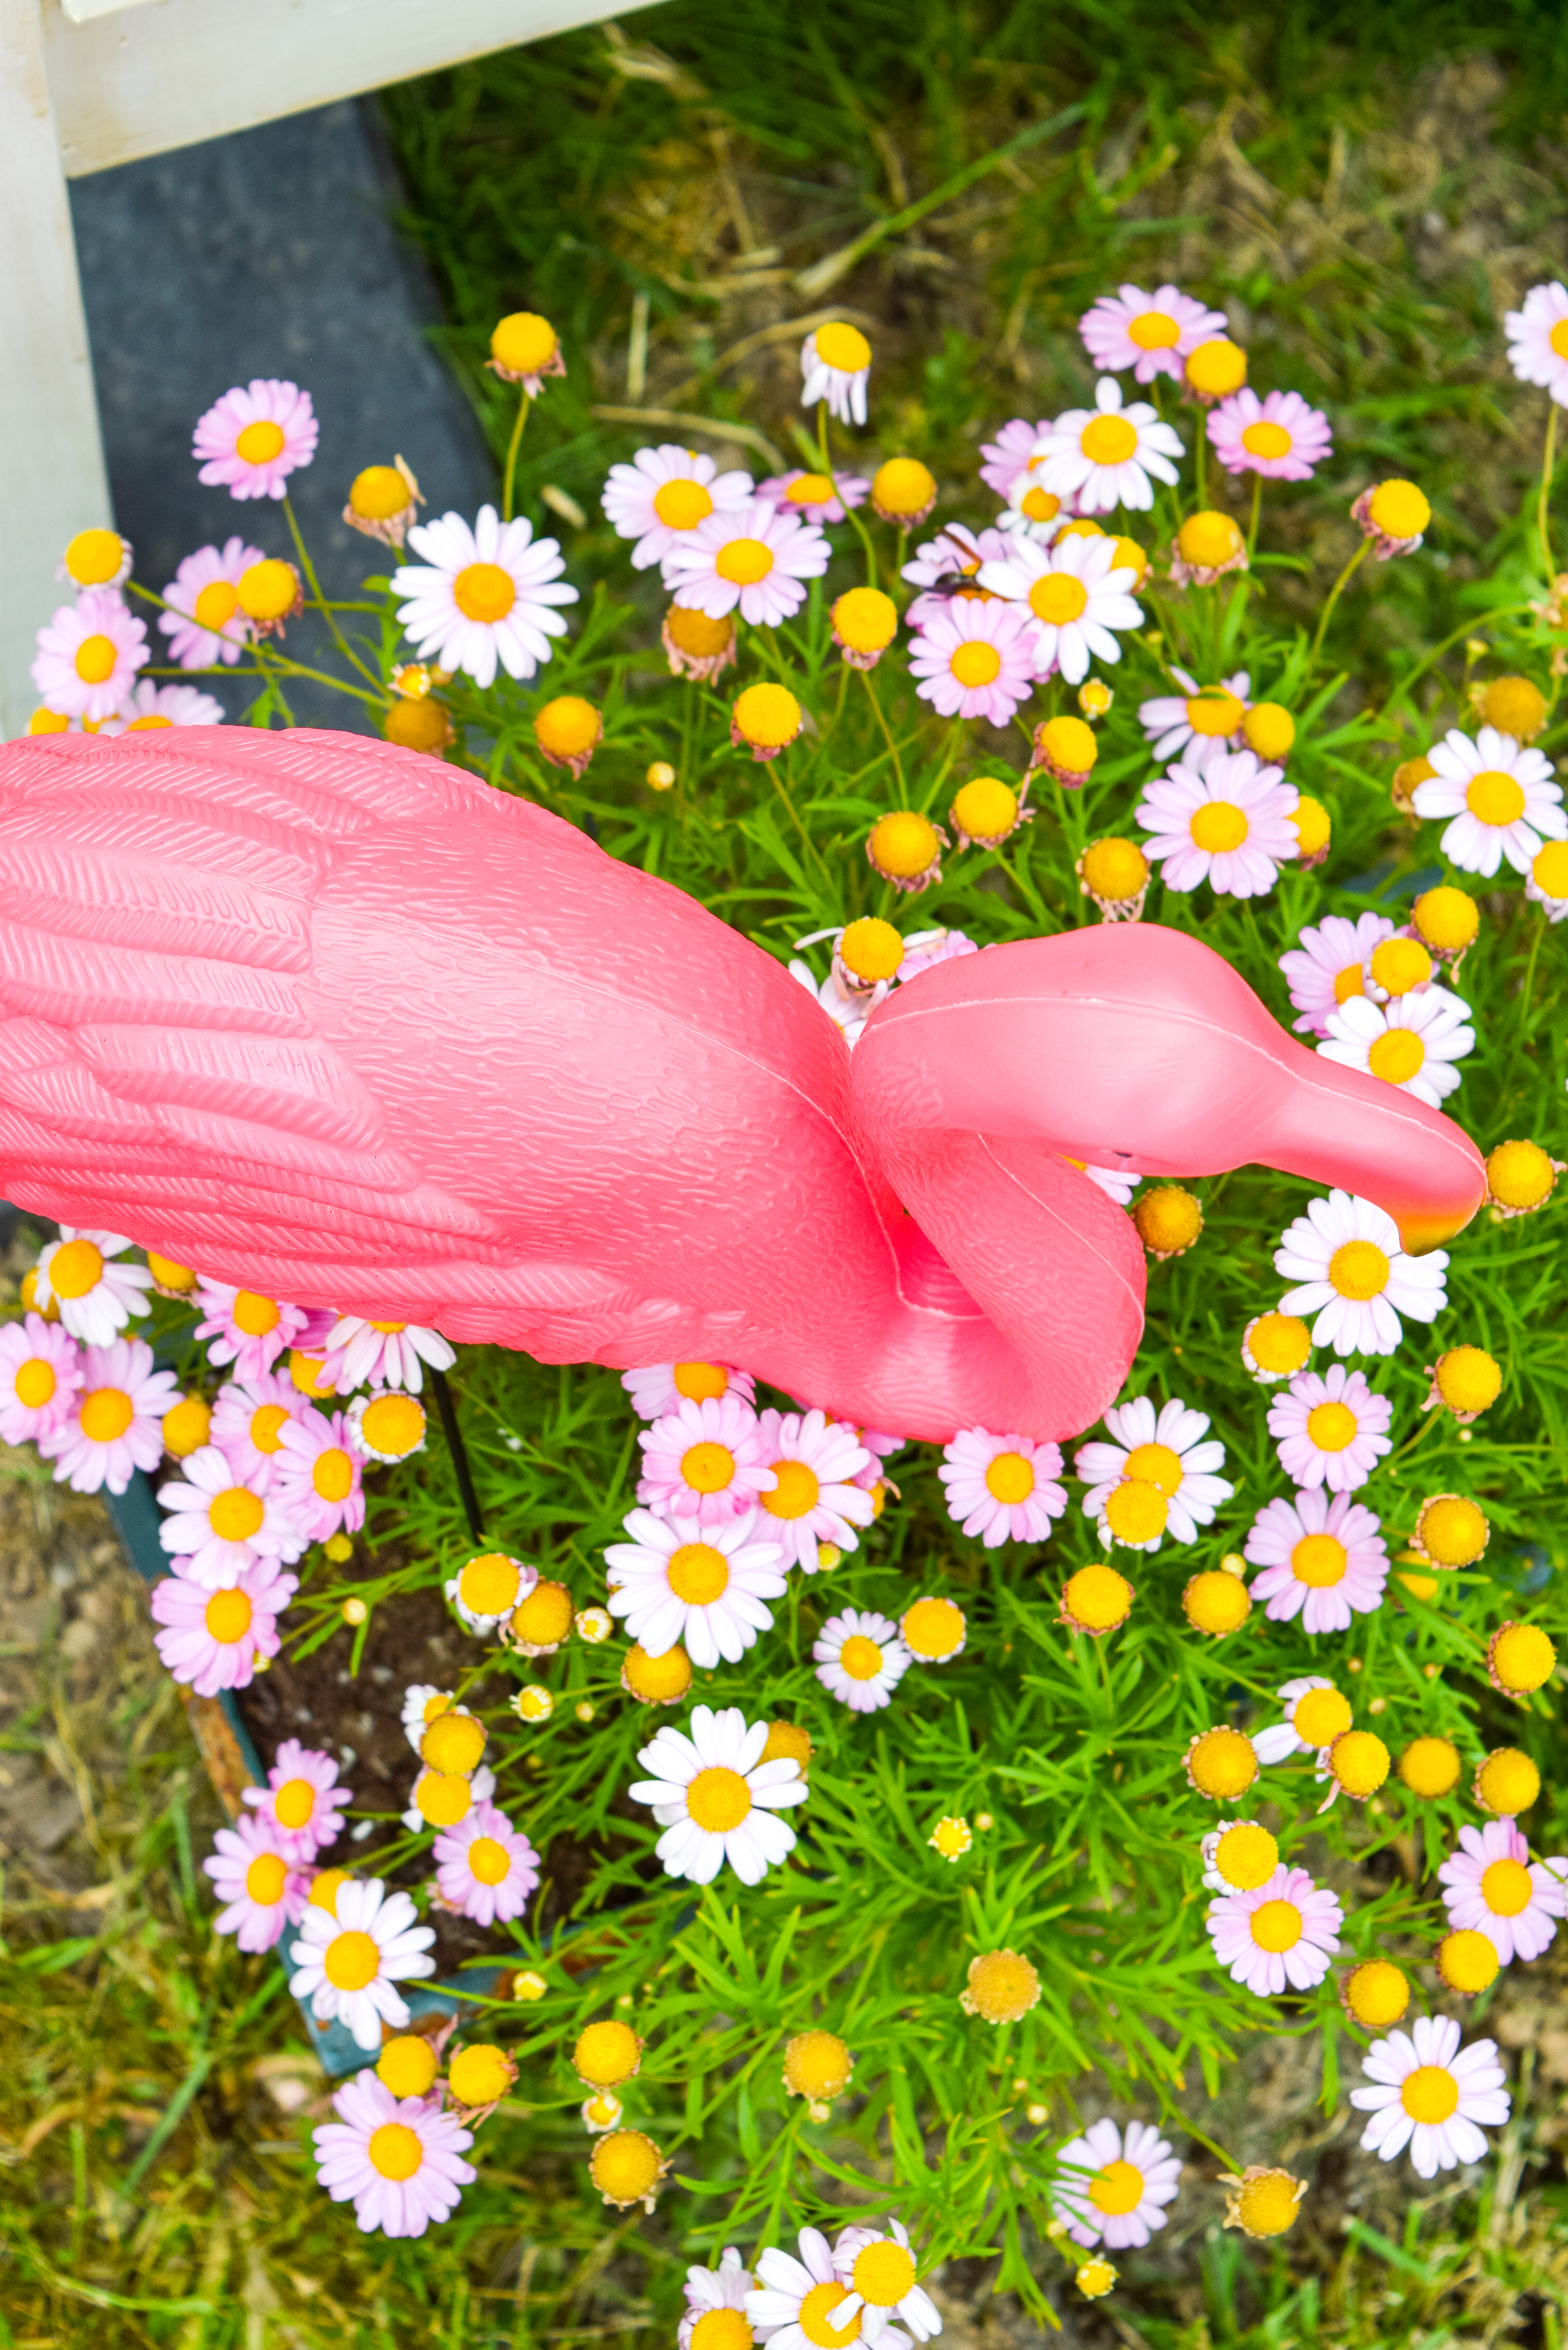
[247, 1329]
[252, 1872]
[1501, 797]
[1171, 1449]
[818, 1463]
[399, 2160]
[1331, 1429]
[843, 388]
[1075, 596]
[1281, 1935]
[40, 1378]
[860, 1659]
[946, 565]
[799, 492]
[1002, 1488]
[300, 1806]
[1412, 1040]
[1538, 339]
[702, 1585]
[1281, 436]
[115, 1426]
[785, 2284]
[1491, 1887]
[1168, 718]
[1424, 2072]
[975, 659]
[1095, 2159]
[247, 1420]
[1108, 455]
[659, 498]
[211, 1639]
[205, 627]
[725, 2287]
[1328, 964]
[914, 2306]
[1323, 1560]
[658, 1389]
[923, 949]
[703, 1462]
[332, 1977]
[88, 655]
[485, 595]
[382, 1354]
[318, 1477]
[220, 1524]
[95, 1295]
[1229, 825]
[756, 557]
[254, 437]
[1150, 333]
[151, 708]
[880, 1446]
[686, 1766]
[484, 1868]
[1280, 1740]
[1006, 456]
[1334, 1278]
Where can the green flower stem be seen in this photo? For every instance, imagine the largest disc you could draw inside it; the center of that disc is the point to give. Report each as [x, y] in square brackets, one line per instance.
[311, 581]
[886, 731]
[524, 404]
[1257, 511]
[1548, 466]
[1334, 594]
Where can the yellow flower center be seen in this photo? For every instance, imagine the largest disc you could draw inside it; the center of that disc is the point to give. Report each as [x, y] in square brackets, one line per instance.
[1312, 824]
[865, 620]
[1396, 1055]
[1506, 1887]
[325, 1887]
[812, 490]
[1039, 506]
[1519, 1174]
[94, 557]
[34, 1382]
[1222, 1763]
[625, 2167]
[1156, 1465]
[1349, 981]
[1467, 1960]
[489, 1583]
[1557, 339]
[217, 604]
[1429, 2093]
[974, 662]
[1446, 919]
[1154, 330]
[870, 949]
[681, 506]
[767, 716]
[1208, 540]
[1331, 1427]
[986, 809]
[1107, 440]
[406, 2065]
[393, 1424]
[1218, 826]
[708, 1468]
[1214, 712]
[394, 2149]
[1002, 1985]
[1216, 1602]
[718, 1800]
[816, 2064]
[1494, 797]
[904, 845]
[569, 727]
[817, 2316]
[524, 343]
[1398, 509]
[697, 635]
[606, 2053]
[1169, 1219]
[933, 1629]
[453, 1742]
[1010, 1478]
[1319, 1560]
[1280, 1342]
[1452, 1531]
[76, 1267]
[1376, 1994]
[743, 561]
[265, 1879]
[1550, 870]
[842, 348]
[883, 2273]
[1269, 730]
[903, 486]
[788, 1743]
[1276, 1926]
[1320, 1715]
[106, 1414]
[1116, 2188]
[378, 492]
[861, 1659]
[1265, 439]
[1508, 1782]
[1399, 964]
[1057, 598]
[293, 1803]
[332, 1474]
[259, 443]
[1115, 869]
[1359, 1762]
[699, 1572]
[487, 1860]
[1359, 1270]
[1214, 368]
[483, 592]
[442, 1798]
[795, 1493]
[1069, 748]
[1429, 1766]
[1267, 2206]
[545, 1617]
[1522, 1657]
[721, 2329]
[1097, 1597]
[1136, 1510]
[236, 1513]
[1246, 1856]
[253, 1315]
[350, 1962]
[698, 1381]
[228, 1617]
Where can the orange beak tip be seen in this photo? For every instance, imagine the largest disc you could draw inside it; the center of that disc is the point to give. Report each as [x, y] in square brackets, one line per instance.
[1420, 1234]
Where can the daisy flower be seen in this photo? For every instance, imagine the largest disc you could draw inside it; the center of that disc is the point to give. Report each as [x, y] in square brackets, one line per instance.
[300, 1804]
[847, 1012]
[945, 565]
[1108, 455]
[1075, 596]
[204, 624]
[1210, 712]
[877, 2264]
[860, 1660]
[421, 1703]
[1150, 333]
[383, 1355]
[817, 1495]
[1005, 457]
[703, 1461]
[714, 1797]
[1331, 1430]
[489, 1589]
[1323, 1560]
[1115, 2189]
[710, 2291]
[211, 1639]
[1538, 339]
[265, 1889]
[659, 1388]
[444, 1799]
[663, 494]
[1281, 437]
[485, 1870]
[247, 1420]
[482, 594]
[974, 659]
[1501, 797]
[220, 1524]
[1431, 2096]
[245, 1329]
[1115, 1182]
[348, 1965]
[1316, 1712]
[755, 555]
[1002, 1488]
[115, 1425]
[1238, 1855]
[836, 361]
[1353, 1275]
[316, 1477]
[399, 2160]
[1282, 1934]
[40, 1378]
[1327, 966]
[1226, 822]
[678, 1581]
[1411, 1042]
[94, 1294]
[88, 655]
[1491, 1887]
[820, 497]
[794, 2302]
[153, 707]
[254, 437]
[1171, 1450]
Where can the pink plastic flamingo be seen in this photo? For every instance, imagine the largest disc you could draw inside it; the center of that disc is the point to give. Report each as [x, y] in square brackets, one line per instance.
[332, 1021]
